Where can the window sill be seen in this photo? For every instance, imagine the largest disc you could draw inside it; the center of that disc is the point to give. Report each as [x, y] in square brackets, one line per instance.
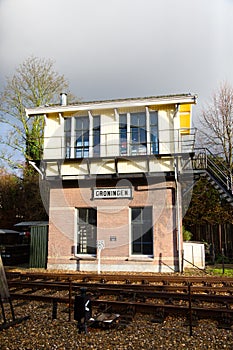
[141, 259]
[87, 257]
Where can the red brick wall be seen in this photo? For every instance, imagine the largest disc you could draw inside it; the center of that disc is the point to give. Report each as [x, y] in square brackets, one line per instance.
[113, 222]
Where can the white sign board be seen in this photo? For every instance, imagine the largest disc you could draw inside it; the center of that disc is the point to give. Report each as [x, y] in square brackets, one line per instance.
[109, 193]
[100, 244]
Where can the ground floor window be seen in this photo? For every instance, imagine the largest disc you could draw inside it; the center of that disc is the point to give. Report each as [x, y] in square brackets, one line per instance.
[142, 230]
[86, 230]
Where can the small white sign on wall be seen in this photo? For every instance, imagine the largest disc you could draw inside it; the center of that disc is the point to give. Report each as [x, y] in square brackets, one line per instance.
[100, 244]
[110, 193]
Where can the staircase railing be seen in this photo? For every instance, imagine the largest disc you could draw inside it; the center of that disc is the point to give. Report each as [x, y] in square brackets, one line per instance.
[204, 159]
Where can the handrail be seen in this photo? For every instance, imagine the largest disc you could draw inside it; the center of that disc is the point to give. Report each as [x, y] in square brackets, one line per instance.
[205, 160]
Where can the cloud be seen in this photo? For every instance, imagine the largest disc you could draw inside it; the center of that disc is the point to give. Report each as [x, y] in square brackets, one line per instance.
[122, 48]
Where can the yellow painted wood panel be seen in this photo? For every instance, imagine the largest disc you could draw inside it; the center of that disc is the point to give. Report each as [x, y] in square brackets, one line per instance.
[185, 118]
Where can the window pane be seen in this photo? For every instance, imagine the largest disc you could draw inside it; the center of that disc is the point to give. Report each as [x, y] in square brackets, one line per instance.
[123, 133]
[86, 138]
[153, 118]
[92, 216]
[142, 135]
[146, 214]
[67, 126]
[138, 119]
[96, 122]
[137, 233]
[82, 123]
[136, 214]
[82, 137]
[134, 119]
[154, 132]
[86, 230]
[96, 139]
[79, 124]
[85, 125]
[137, 247]
[147, 249]
[123, 120]
[142, 231]
[82, 215]
[138, 134]
[67, 130]
[135, 134]
[142, 119]
[96, 136]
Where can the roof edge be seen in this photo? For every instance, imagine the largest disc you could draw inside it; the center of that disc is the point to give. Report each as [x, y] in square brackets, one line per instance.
[115, 103]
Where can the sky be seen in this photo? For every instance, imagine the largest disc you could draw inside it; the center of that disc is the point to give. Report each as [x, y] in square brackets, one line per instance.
[123, 48]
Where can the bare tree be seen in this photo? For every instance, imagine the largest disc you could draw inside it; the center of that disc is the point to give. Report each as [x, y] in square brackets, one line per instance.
[34, 84]
[217, 123]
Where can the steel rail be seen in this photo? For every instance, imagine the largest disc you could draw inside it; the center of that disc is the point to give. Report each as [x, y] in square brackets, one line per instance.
[137, 278]
[34, 285]
[160, 295]
[158, 310]
[129, 292]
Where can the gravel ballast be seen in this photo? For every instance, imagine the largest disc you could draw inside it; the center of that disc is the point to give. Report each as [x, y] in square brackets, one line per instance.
[41, 332]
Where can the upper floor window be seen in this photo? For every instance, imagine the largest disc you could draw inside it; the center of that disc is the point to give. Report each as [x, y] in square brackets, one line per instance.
[141, 135]
[67, 129]
[123, 134]
[134, 134]
[82, 137]
[138, 134]
[96, 136]
[154, 142]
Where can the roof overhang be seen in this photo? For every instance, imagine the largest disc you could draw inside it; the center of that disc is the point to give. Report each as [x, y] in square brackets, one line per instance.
[118, 103]
[6, 231]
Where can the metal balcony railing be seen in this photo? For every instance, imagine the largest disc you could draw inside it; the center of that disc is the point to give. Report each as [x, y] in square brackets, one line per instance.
[166, 142]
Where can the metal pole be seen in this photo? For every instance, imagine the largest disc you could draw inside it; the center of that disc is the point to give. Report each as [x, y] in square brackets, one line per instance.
[178, 214]
[70, 296]
[190, 311]
[223, 265]
[54, 311]
[98, 255]
[12, 309]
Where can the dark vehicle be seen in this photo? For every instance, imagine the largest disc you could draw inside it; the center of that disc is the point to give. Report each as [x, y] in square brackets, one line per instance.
[14, 247]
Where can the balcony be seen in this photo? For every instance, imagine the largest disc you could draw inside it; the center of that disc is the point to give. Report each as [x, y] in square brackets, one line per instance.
[168, 142]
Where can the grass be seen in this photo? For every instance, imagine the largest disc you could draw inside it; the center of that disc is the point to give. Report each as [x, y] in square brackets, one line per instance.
[218, 270]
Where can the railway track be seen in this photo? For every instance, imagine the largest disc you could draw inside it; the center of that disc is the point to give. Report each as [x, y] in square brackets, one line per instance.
[124, 278]
[194, 297]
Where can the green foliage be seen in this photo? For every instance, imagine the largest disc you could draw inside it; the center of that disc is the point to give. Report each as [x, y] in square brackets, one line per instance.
[35, 83]
[206, 206]
[219, 259]
[217, 271]
[20, 199]
[10, 199]
[187, 235]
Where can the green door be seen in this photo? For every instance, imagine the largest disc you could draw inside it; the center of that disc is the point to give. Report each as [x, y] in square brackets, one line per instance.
[39, 247]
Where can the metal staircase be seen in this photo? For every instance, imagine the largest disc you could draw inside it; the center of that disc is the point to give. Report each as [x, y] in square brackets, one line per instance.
[205, 164]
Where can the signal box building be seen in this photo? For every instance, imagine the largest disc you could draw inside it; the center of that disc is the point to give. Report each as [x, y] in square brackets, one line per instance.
[113, 170]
